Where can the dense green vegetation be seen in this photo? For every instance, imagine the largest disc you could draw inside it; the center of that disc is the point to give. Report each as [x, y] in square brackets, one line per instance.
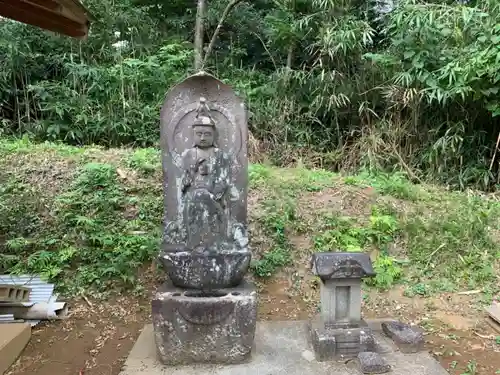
[393, 94]
[409, 86]
[89, 217]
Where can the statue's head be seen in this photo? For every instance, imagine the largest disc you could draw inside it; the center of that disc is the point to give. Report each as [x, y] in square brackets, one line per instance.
[203, 136]
[203, 127]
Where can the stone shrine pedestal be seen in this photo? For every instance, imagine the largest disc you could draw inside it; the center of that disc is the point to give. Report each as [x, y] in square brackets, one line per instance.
[195, 327]
[282, 348]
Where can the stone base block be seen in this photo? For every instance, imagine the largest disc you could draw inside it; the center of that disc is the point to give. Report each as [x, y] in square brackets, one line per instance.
[195, 327]
[330, 343]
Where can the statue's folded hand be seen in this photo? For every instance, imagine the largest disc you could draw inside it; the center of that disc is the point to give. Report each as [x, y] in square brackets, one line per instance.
[218, 196]
[186, 181]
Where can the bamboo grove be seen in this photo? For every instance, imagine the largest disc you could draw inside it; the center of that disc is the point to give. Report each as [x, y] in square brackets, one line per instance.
[406, 86]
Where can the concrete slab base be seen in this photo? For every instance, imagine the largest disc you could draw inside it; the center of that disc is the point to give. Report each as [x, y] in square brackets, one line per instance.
[281, 348]
[13, 339]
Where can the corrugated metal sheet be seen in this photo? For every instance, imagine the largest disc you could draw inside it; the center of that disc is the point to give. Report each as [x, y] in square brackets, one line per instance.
[6, 318]
[41, 291]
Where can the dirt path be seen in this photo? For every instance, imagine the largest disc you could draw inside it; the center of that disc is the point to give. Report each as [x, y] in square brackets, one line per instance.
[96, 339]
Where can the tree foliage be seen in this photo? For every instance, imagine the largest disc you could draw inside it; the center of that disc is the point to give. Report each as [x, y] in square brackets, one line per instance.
[410, 85]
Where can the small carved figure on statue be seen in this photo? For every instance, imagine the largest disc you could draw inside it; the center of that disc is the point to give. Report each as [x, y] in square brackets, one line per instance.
[205, 181]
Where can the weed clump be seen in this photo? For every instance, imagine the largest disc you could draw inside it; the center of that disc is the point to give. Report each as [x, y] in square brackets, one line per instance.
[96, 238]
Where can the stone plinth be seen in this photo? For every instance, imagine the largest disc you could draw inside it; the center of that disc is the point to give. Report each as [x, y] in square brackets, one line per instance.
[281, 348]
[204, 327]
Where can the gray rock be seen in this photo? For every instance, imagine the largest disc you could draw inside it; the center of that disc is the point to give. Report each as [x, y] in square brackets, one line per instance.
[373, 363]
[409, 339]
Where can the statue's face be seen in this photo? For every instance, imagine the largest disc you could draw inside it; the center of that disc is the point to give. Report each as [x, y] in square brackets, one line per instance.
[203, 136]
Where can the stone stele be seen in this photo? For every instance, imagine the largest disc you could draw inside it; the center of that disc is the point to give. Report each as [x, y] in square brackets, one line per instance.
[205, 313]
[205, 168]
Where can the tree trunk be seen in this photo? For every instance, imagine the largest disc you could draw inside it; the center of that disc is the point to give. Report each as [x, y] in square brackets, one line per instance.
[198, 35]
[226, 12]
[289, 58]
[291, 48]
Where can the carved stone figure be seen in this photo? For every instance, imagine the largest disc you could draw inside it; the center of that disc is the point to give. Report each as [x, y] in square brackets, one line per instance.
[205, 312]
[205, 180]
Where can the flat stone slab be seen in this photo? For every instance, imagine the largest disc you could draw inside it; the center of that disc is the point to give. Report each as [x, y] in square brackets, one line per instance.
[281, 348]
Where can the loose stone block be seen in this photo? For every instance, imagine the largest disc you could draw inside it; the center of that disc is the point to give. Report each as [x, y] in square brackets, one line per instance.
[409, 339]
[14, 293]
[373, 363]
[192, 326]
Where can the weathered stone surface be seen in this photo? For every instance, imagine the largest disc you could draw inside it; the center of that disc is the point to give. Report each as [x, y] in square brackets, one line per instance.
[192, 326]
[206, 270]
[372, 363]
[340, 331]
[341, 302]
[280, 348]
[340, 265]
[331, 342]
[204, 157]
[409, 339]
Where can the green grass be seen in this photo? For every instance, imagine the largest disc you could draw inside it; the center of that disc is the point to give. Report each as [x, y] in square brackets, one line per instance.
[91, 218]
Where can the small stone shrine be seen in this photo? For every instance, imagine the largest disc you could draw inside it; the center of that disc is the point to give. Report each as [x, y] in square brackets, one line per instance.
[205, 312]
[340, 331]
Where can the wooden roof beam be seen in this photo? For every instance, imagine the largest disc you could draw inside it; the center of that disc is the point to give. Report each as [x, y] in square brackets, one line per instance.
[51, 16]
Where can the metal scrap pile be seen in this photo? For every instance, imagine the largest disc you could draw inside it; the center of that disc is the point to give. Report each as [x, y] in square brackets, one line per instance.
[30, 299]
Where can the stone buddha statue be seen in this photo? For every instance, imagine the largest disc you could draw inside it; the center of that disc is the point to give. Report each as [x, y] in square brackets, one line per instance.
[204, 185]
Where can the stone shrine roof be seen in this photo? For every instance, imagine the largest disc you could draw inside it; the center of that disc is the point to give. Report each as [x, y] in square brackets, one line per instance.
[340, 265]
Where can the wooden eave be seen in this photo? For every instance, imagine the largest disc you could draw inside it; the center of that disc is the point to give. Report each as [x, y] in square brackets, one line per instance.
[67, 17]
